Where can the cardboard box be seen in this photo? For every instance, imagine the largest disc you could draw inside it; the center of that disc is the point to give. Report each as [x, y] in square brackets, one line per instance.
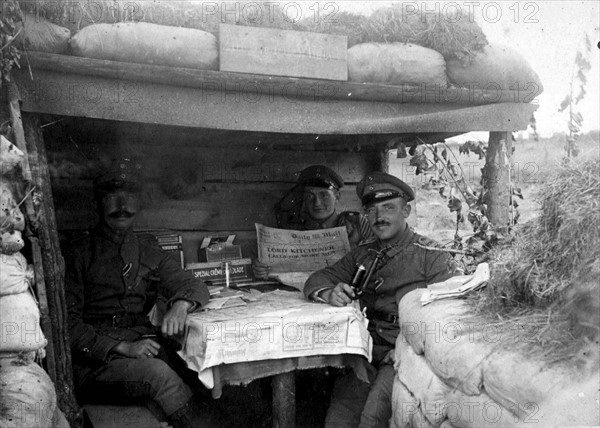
[282, 52]
[219, 248]
[240, 271]
[168, 241]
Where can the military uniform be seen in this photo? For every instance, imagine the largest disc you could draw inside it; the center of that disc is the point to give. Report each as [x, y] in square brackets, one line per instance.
[406, 265]
[410, 267]
[113, 278]
[291, 215]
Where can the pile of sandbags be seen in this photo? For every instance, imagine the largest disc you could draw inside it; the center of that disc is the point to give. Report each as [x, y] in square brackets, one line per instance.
[455, 371]
[27, 395]
[392, 46]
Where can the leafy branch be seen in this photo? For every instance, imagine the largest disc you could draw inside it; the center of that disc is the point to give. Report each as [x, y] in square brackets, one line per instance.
[581, 66]
[445, 170]
[10, 19]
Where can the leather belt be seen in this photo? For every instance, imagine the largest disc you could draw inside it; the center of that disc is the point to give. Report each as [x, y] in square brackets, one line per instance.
[382, 316]
[118, 320]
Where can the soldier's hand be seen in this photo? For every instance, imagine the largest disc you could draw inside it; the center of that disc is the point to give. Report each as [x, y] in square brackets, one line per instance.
[390, 357]
[145, 348]
[260, 270]
[340, 295]
[174, 320]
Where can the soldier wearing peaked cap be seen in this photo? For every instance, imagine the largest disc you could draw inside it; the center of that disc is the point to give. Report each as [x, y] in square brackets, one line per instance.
[311, 205]
[405, 263]
[112, 281]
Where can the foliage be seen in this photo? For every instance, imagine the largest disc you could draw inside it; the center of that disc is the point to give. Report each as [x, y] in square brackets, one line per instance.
[10, 19]
[533, 126]
[581, 66]
[444, 170]
[544, 259]
[453, 36]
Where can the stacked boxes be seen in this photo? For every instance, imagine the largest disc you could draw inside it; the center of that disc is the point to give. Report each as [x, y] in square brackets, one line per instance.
[218, 254]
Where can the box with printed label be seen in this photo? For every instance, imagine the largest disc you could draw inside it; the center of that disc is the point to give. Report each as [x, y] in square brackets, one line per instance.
[240, 271]
[217, 248]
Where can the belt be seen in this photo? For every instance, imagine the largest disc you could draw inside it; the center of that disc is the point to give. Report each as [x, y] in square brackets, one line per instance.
[118, 320]
[382, 316]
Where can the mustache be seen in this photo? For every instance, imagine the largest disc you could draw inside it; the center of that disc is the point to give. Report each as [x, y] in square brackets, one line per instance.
[382, 223]
[121, 213]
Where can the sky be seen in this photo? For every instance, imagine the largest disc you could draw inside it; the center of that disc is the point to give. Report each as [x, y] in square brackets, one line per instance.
[548, 34]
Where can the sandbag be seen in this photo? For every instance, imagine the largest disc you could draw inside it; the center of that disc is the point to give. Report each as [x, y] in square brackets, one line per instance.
[145, 43]
[447, 356]
[511, 377]
[480, 411]
[11, 242]
[27, 397]
[11, 217]
[444, 333]
[404, 404]
[20, 329]
[497, 67]
[10, 156]
[205, 16]
[15, 275]
[416, 374]
[396, 64]
[39, 34]
[419, 323]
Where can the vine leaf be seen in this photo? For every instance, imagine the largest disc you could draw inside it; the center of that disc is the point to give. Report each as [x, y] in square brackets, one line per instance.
[401, 153]
[419, 160]
[517, 192]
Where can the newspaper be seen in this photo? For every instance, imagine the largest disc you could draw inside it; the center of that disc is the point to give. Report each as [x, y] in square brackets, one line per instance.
[457, 286]
[294, 254]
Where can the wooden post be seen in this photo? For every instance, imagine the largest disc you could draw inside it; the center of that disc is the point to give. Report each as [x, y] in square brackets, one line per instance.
[497, 178]
[284, 400]
[47, 259]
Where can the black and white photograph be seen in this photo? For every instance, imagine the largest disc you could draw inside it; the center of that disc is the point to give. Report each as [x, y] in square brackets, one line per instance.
[299, 214]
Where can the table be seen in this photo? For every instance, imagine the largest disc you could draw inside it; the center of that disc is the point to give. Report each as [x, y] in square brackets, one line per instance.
[275, 334]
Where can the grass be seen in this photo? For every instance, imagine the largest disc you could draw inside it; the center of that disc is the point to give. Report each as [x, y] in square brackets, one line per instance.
[544, 281]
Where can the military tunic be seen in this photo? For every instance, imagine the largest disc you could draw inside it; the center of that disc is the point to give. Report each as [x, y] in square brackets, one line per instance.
[406, 267]
[110, 287]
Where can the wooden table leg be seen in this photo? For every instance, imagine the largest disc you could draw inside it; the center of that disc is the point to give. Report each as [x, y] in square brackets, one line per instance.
[284, 400]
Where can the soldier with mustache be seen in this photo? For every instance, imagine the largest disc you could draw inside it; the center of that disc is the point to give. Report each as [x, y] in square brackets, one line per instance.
[113, 278]
[402, 265]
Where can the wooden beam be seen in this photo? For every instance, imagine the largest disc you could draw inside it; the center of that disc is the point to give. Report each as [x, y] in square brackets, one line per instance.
[497, 178]
[47, 243]
[32, 226]
[284, 400]
[265, 85]
[163, 104]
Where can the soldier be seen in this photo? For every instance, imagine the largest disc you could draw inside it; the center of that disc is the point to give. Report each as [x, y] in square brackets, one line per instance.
[112, 281]
[311, 205]
[402, 265]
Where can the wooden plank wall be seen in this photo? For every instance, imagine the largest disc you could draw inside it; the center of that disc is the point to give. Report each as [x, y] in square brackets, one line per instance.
[195, 189]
